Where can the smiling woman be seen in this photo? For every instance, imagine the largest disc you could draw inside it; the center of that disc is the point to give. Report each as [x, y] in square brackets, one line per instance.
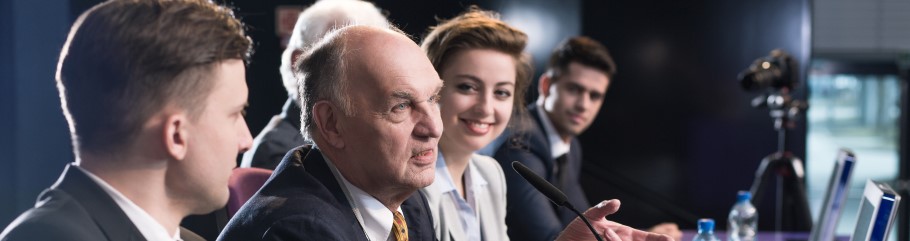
[486, 70]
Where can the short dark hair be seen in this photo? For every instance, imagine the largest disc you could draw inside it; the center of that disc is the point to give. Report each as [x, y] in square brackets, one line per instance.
[582, 50]
[124, 60]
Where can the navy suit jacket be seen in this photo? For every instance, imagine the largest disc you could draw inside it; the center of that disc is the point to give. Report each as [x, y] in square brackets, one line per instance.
[76, 208]
[302, 200]
[530, 215]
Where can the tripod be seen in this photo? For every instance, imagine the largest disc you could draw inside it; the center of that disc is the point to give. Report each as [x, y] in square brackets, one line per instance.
[781, 171]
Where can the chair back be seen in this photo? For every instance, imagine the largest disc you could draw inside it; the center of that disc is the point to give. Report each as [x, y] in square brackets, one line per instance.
[244, 182]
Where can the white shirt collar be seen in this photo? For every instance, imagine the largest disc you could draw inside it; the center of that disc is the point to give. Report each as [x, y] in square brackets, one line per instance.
[473, 180]
[467, 208]
[373, 216]
[558, 147]
[150, 228]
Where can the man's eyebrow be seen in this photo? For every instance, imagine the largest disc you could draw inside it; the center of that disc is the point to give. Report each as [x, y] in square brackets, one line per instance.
[578, 86]
[400, 94]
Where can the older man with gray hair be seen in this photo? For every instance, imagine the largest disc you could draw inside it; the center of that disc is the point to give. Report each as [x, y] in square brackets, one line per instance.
[283, 132]
[370, 104]
[368, 98]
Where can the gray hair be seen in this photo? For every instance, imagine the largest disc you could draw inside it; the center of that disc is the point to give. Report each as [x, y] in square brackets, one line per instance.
[317, 20]
[322, 71]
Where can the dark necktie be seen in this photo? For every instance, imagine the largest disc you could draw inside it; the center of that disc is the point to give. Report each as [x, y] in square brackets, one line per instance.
[562, 166]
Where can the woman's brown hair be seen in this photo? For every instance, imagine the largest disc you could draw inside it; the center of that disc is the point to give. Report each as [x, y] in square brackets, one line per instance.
[480, 29]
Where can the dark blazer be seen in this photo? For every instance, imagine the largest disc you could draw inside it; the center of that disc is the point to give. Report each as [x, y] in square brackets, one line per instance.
[530, 215]
[275, 140]
[76, 208]
[303, 201]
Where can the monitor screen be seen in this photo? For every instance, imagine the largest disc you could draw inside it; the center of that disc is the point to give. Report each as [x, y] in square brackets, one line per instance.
[835, 196]
[876, 212]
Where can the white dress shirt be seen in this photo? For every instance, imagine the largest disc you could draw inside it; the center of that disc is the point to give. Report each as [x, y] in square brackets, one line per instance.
[150, 228]
[375, 219]
[558, 147]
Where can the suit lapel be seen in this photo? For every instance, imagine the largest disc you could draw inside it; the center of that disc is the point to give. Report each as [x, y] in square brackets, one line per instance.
[481, 200]
[453, 221]
[415, 214]
[546, 150]
[485, 202]
[315, 164]
[104, 211]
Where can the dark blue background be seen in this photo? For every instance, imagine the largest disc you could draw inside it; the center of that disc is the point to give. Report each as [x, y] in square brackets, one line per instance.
[675, 140]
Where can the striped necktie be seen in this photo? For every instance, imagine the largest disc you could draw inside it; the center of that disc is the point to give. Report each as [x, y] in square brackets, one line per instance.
[400, 228]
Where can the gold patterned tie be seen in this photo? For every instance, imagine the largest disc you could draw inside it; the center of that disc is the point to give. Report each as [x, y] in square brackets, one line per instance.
[400, 228]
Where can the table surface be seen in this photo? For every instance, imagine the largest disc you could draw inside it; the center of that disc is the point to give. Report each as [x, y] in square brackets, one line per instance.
[688, 235]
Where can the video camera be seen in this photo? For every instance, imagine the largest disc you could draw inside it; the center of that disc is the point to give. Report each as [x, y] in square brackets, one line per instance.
[777, 71]
[776, 75]
[781, 173]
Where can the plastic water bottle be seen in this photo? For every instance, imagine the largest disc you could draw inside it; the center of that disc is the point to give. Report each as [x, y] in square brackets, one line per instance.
[705, 230]
[743, 221]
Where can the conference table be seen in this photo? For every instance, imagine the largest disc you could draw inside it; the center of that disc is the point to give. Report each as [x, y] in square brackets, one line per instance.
[762, 236]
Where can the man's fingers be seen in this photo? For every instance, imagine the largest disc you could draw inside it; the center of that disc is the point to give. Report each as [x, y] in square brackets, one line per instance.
[602, 209]
[658, 237]
[670, 229]
[610, 235]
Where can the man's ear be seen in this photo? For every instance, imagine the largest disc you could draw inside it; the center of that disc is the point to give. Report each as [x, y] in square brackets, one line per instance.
[176, 136]
[543, 86]
[326, 118]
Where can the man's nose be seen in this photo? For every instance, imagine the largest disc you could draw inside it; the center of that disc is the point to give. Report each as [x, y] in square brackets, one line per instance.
[429, 123]
[583, 102]
[246, 139]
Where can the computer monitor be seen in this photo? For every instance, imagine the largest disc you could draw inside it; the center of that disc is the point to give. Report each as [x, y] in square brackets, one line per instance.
[835, 197]
[876, 212]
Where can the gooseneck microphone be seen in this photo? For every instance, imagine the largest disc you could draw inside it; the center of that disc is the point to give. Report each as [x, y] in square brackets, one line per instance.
[554, 194]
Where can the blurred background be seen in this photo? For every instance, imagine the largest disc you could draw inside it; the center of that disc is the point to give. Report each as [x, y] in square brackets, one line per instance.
[676, 137]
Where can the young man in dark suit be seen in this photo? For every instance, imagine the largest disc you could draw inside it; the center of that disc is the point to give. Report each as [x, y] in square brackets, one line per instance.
[571, 93]
[153, 92]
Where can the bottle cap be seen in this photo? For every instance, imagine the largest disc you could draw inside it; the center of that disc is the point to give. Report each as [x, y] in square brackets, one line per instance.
[743, 196]
[706, 225]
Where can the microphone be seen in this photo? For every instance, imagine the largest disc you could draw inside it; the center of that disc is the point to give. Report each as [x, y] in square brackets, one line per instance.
[551, 192]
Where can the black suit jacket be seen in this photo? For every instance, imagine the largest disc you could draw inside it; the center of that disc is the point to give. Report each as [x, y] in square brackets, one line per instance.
[76, 208]
[303, 201]
[275, 140]
[530, 215]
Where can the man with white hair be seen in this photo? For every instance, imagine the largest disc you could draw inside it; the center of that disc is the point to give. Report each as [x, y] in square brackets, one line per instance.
[283, 132]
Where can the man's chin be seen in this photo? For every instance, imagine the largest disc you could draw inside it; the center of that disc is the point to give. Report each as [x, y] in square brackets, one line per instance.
[423, 180]
[577, 129]
[572, 131]
[211, 206]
